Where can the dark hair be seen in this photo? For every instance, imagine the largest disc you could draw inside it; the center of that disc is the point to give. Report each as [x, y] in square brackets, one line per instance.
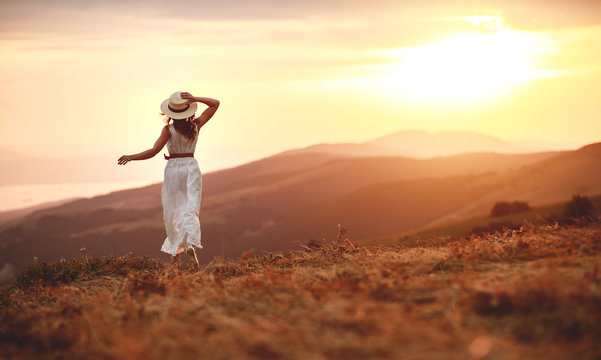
[186, 127]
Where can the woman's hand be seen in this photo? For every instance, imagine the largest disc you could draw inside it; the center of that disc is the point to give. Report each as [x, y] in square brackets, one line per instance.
[188, 96]
[147, 154]
[124, 160]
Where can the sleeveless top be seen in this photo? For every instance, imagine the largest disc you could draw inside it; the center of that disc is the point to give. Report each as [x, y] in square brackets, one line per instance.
[179, 144]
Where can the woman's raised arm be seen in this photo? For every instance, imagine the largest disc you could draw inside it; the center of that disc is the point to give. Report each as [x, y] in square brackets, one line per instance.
[213, 105]
[147, 154]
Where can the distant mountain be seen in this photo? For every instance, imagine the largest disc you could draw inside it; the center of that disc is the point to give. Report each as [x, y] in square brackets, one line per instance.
[42, 170]
[9, 155]
[421, 145]
[347, 149]
[19, 213]
[19, 169]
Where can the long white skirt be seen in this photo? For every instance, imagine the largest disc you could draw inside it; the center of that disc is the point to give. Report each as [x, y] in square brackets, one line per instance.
[182, 188]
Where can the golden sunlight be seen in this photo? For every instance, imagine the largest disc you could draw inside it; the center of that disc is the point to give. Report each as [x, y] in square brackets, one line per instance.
[466, 67]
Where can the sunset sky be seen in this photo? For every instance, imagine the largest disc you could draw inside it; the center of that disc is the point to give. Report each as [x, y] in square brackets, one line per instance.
[86, 78]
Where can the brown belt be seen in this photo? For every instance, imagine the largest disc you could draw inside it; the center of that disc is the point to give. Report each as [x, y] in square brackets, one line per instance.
[173, 156]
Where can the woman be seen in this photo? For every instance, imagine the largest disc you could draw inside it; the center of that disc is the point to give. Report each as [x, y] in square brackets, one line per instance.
[182, 183]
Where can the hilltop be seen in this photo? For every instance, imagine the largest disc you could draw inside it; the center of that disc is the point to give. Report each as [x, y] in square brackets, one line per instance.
[532, 293]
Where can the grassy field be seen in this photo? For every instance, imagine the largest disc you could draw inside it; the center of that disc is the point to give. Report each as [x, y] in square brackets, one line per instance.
[528, 294]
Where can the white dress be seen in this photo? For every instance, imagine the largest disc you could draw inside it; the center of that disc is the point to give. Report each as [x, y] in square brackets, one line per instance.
[182, 187]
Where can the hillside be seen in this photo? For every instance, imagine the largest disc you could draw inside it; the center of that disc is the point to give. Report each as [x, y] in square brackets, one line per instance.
[549, 214]
[439, 300]
[552, 180]
[266, 204]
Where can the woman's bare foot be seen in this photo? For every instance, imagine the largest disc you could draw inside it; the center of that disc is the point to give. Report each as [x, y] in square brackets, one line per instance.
[193, 258]
[175, 261]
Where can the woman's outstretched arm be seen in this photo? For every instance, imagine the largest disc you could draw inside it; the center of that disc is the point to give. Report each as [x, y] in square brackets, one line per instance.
[147, 154]
[213, 105]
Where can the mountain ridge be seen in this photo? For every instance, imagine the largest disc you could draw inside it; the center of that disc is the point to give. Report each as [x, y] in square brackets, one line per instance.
[23, 169]
[421, 145]
[277, 204]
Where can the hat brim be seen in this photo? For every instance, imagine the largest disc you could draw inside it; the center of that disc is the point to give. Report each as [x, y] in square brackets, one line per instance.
[178, 115]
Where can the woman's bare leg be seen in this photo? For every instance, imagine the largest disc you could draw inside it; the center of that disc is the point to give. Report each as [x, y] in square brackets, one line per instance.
[192, 257]
[175, 261]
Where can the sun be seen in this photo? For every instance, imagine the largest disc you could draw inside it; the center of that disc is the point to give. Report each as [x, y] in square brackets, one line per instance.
[465, 67]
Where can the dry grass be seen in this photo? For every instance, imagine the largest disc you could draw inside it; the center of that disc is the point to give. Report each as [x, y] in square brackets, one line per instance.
[529, 294]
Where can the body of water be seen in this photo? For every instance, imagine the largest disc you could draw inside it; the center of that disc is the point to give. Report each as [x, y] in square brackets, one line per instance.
[21, 196]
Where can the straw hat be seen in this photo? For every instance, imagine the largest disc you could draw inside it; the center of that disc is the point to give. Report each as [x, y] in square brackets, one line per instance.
[177, 108]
